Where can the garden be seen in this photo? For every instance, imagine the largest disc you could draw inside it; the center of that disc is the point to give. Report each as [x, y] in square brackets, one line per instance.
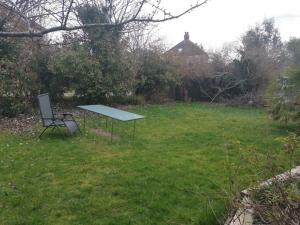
[184, 165]
[148, 134]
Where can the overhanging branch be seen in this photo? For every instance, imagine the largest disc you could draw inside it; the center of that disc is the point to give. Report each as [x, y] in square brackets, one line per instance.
[133, 19]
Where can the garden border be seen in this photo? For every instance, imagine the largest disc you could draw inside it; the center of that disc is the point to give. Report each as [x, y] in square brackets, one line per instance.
[244, 215]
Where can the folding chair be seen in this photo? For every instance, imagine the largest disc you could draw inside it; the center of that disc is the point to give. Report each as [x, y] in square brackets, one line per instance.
[55, 120]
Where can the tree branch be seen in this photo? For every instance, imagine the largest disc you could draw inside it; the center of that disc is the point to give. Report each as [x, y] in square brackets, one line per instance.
[133, 18]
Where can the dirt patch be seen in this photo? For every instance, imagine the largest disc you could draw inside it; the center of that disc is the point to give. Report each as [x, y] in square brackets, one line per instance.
[23, 124]
[104, 133]
[29, 124]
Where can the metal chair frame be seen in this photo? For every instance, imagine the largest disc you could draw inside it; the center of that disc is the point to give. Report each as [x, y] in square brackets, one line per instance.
[57, 119]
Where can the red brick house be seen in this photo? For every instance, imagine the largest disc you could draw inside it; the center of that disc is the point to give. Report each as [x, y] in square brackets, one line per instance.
[188, 50]
[193, 60]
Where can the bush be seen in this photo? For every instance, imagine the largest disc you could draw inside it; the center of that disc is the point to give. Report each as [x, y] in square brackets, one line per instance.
[11, 107]
[83, 73]
[157, 76]
[18, 86]
[128, 100]
[277, 204]
[210, 88]
[81, 70]
[18, 78]
[53, 83]
[285, 94]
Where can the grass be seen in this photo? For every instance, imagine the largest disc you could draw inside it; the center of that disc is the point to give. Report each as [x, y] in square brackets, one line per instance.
[181, 163]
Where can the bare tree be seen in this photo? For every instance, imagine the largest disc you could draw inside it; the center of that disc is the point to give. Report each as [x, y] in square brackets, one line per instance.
[61, 15]
[219, 85]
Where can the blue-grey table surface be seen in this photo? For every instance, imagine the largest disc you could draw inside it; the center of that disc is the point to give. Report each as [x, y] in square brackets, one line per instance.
[111, 112]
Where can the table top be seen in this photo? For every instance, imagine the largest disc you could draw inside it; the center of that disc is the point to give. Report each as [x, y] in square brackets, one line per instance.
[111, 112]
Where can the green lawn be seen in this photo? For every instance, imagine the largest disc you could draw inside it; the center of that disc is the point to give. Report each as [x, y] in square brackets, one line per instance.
[175, 172]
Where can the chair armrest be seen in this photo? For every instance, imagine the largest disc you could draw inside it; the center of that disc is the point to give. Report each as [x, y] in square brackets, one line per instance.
[64, 114]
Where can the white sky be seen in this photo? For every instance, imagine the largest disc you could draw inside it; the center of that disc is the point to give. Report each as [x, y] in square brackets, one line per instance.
[223, 21]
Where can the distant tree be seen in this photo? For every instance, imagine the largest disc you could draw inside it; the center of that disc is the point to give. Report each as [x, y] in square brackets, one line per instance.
[18, 80]
[218, 82]
[76, 65]
[56, 84]
[157, 75]
[286, 96]
[261, 57]
[285, 90]
[102, 39]
[107, 46]
[293, 47]
[7, 47]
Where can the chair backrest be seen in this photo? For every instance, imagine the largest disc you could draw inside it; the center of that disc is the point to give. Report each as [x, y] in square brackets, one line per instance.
[45, 108]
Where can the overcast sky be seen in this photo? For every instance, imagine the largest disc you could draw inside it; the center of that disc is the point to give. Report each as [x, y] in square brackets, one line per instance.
[223, 21]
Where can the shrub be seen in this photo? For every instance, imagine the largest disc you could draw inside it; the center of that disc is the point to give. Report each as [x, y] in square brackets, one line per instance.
[156, 76]
[11, 107]
[53, 83]
[18, 86]
[83, 72]
[221, 86]
[285, 103]
[277, 204]
[128, 100]
[18, 78]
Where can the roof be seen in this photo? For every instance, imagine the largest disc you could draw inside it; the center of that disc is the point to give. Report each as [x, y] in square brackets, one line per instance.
[187, 48]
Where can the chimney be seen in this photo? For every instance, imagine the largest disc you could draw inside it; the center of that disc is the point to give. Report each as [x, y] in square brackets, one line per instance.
[186, 36]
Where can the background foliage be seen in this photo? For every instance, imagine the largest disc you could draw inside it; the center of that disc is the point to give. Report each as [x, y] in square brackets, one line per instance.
[118, 65]
[18, 79]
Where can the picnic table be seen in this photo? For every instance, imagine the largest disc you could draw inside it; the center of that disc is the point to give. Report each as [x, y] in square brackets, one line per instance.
[113, 113]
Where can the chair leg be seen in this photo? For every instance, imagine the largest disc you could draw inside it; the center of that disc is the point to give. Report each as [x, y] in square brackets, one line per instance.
[77, 126]
[43, 132]
[77, 123]
[53, 128]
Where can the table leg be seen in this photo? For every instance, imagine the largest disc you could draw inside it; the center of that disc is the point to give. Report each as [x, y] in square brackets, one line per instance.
[84, 119]
[112, 130]
[133, 130]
